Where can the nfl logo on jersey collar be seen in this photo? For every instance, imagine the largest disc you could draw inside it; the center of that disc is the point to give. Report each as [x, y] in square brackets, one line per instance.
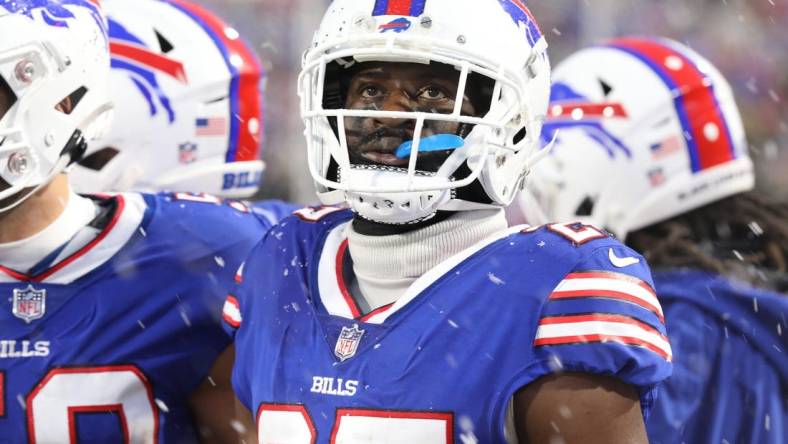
[347, 343]
[29, 304]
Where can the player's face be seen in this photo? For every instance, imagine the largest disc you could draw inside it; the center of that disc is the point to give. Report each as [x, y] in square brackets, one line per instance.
[399, 87]
[6, 98]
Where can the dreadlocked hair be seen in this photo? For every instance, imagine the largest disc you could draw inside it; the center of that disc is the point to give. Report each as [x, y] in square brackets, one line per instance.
[744, 236]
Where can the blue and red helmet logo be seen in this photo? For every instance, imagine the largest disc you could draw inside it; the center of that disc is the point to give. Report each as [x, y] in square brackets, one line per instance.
[130, 54]
[53, 13]
[397, 25]
[522, 16]
[571, 110]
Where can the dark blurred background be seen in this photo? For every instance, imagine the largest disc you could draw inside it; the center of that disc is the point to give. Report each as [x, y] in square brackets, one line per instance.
[746, 39]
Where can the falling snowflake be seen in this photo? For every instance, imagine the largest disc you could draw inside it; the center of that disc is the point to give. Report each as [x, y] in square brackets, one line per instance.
[555, 364]
[162, 406]
[467, 436]
[185, 316]
[495, 279]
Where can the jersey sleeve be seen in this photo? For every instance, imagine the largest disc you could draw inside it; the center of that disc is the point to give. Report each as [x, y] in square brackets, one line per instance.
[604, 318]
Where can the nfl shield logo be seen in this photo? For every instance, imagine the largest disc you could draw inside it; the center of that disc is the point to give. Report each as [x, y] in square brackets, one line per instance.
[29, 304]
[187, 152]
[348, 341]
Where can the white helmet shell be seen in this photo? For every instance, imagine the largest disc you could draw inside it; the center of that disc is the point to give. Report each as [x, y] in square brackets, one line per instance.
[496, 39]
[187, 93]
[54, 58]
[647, 129]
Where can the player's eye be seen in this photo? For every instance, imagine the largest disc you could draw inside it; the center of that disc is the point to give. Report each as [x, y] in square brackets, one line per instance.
[432, 93]
[371, 91]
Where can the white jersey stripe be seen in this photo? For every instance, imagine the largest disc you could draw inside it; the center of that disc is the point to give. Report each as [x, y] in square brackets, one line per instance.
[582, 286]
[601, 331]
[330, 292]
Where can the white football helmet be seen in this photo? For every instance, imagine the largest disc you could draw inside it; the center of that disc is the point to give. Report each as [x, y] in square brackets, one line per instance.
[52, 52]
[647, 129]
[187, 94]
[495, 39]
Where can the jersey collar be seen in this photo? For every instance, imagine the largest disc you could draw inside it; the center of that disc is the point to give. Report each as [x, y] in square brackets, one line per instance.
[123, 223]
[337, 300]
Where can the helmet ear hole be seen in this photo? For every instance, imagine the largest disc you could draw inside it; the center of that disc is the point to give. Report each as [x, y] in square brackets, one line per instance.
[586, 207]
[519, 136]
[70, 102]
[98, 160]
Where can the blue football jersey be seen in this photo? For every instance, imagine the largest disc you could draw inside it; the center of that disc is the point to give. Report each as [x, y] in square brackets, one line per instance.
[106, 343]
[730, 380]
[442, 363]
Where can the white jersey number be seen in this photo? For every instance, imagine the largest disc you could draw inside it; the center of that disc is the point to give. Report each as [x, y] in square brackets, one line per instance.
[53, 404]
[292, 424]
[577, 233]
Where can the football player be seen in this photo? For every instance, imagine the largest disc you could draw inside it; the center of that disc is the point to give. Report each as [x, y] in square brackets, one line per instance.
[651, 147]
[110, 322]
[418, 316]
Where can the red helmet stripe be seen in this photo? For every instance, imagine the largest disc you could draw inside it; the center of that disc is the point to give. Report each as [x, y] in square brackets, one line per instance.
[245, 100]
[706, 131]
[398, 7]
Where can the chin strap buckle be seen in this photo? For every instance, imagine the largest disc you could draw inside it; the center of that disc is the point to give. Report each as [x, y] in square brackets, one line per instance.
[75, 147]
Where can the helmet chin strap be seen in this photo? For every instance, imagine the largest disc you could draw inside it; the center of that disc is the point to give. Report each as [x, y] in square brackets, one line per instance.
[407, 208]
[59, 166]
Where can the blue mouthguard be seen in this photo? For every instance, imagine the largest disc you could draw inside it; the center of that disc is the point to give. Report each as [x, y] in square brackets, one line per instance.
[438, 142]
